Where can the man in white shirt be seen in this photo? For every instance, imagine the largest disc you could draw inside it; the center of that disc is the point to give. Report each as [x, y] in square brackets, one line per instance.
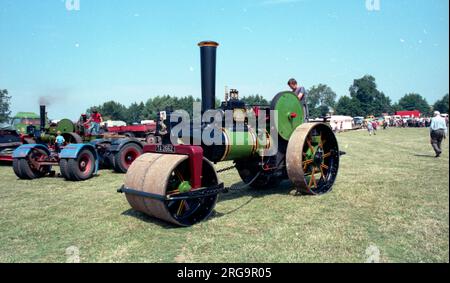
[438, 132]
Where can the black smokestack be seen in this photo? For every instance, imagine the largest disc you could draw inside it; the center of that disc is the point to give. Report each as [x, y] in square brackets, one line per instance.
[208, 64]
[42, 117]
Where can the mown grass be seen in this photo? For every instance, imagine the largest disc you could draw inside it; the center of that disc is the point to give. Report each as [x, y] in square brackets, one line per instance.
[390, 194]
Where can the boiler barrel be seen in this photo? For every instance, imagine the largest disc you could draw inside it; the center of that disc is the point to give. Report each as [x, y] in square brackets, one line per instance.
[237, 144]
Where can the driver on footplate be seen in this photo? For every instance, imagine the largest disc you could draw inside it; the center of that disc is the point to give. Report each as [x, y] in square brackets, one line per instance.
[301, 94]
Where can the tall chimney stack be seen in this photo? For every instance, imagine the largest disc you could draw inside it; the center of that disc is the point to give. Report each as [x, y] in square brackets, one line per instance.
[42, 117]
[208, 68]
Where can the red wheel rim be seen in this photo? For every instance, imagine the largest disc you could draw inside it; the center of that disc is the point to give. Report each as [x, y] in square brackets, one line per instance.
[128, 156]
[85, 163]
[36, 157]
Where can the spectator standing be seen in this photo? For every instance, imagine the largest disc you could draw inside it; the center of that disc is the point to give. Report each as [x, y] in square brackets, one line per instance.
[375, 127]
[370, 128]
[59, 142]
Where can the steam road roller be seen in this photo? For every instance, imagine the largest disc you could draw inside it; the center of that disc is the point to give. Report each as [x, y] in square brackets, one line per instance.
[175, 180]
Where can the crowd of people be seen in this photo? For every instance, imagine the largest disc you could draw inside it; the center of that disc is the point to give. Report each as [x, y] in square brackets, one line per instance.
[438, 126]
[410, 122]
[424, 122]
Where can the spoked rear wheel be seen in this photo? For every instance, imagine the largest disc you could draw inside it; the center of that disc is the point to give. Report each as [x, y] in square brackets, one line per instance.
[168, 175]
[254, 176]
[313, 158]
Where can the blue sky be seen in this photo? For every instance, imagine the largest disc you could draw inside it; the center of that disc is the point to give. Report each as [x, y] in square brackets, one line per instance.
[131, 50]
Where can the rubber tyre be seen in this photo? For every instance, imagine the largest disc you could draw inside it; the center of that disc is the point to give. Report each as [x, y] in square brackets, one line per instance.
[63, 167]
[25, 171]
[123, 160]
[16, 168]
[76, 171]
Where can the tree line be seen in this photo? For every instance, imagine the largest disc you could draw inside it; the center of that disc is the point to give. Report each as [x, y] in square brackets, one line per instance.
[137, 112]
[5, 101]
[364, 99]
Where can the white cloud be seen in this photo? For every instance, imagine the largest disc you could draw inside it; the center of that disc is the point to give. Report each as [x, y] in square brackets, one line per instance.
[248, 29]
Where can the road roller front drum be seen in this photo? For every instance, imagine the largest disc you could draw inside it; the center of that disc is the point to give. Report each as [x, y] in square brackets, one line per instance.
[155, 178]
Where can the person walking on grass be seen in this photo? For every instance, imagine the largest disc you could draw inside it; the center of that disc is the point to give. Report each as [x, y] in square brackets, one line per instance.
[438, 132]
[370, 128]
[375, 127]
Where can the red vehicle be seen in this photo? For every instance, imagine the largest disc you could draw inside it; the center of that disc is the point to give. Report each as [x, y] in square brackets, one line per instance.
[410, 114]
[135, 131]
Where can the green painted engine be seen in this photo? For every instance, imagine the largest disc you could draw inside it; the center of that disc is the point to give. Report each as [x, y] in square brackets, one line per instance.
[267, 143]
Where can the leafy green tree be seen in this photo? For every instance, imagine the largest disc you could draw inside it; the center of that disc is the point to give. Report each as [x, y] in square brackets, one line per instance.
[396, 107]
[111, 110]
[218, 102]
[381, 104]
[371, 100]
[348, 106]
[442, 105]
[322, 111]
[135, 113]
[156, 104]
[186, 103]
[414, 101]
[160, 103]
[255, 100]
[4, 105]
[320, 99]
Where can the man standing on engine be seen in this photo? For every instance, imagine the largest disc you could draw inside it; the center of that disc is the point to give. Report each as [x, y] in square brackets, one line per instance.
[301, 94]
[95, 120]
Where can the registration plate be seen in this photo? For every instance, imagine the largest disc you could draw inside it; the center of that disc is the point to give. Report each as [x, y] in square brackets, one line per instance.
[165, 148]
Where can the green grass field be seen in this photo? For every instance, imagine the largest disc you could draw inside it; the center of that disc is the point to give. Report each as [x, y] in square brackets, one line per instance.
[391, 195]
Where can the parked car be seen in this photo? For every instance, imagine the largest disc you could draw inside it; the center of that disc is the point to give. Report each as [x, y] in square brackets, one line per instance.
[358, 121]
[9, 141]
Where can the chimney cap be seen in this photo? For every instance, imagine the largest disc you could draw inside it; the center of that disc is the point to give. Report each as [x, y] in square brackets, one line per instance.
[208, 44]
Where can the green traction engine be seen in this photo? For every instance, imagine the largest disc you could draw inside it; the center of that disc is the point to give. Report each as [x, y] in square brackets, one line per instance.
[175, 180]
